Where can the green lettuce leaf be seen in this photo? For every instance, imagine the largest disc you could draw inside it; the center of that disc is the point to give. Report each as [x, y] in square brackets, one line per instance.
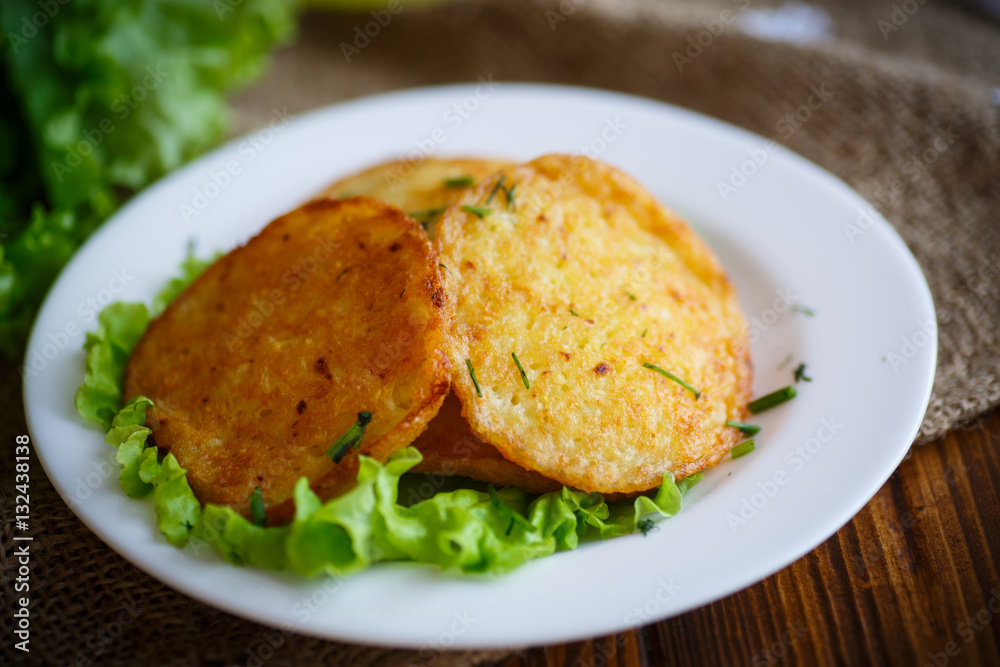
[240, 542]
[120, 326]
[99, 98]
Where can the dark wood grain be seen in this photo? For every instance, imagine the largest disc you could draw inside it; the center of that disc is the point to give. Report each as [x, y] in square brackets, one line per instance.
[901, 584]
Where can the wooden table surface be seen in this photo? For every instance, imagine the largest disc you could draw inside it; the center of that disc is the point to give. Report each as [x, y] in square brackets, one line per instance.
[912, 580]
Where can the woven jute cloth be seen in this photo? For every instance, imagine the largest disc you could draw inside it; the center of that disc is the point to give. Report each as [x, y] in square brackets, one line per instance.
[911, 121]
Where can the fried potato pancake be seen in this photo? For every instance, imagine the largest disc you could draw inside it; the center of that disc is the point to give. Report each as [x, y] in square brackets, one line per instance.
[575, 268]
[451, 448]
[425, 189]
[422, 189]
[266, 360]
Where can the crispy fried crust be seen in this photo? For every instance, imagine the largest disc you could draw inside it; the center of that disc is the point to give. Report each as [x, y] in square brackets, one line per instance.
[450, 448]
[586, 277]
[417, 187]
[267, 359]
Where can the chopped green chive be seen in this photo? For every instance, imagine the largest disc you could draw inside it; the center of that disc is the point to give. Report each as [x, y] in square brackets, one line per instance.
[401, 293]
[645, 526]
[800, 374]
[673, 377]
[746, 429]
[510, 198]
[479, 211]
[574, 313]
[771, 400]
[644, 332]
[445, 268]
[799, 308]
[459, 182]
[344, 272]
[630, 296]
[257, 512]
[350, 439]
[524, 376]
[472, 374]
[427, 213]
[496, 187]
[742, 449]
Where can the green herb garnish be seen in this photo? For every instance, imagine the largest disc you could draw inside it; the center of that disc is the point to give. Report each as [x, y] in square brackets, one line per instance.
[673, 377]
[459, 182]
[800, 374]
[510, 198]
[472, 374]
[445, 268]
[496, 187]
[479, 211]
[524, 377]
[799, 308]
[257, 512]
[746, 429]
[630, 296]
[574, 313]
[644, 332]
[645, 526]
[742, 449]
[771, 400]
[350, 439]
[427, 213]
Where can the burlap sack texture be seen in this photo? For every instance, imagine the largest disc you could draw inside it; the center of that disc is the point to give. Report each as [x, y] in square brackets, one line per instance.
[892, 97]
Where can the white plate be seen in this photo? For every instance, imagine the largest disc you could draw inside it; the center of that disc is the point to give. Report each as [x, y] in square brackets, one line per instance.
[787, 234]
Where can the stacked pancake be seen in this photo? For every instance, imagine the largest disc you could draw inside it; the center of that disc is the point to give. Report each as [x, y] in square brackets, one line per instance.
[533, 325]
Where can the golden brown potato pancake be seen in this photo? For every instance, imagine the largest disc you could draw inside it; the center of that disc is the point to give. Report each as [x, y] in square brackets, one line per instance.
[425, 189]
[266, 360]
[450, 448]
[422, 189]
[584, 276]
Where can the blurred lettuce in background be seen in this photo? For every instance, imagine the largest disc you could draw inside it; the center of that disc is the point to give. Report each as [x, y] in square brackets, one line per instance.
[97, 99]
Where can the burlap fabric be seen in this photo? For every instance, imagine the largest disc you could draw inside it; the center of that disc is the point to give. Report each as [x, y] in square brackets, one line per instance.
[913, 124]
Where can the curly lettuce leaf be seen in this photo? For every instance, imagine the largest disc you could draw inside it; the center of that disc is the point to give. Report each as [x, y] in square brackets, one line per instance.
[177, 509]
[97, 100]
[241, 542]
[120, 326]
